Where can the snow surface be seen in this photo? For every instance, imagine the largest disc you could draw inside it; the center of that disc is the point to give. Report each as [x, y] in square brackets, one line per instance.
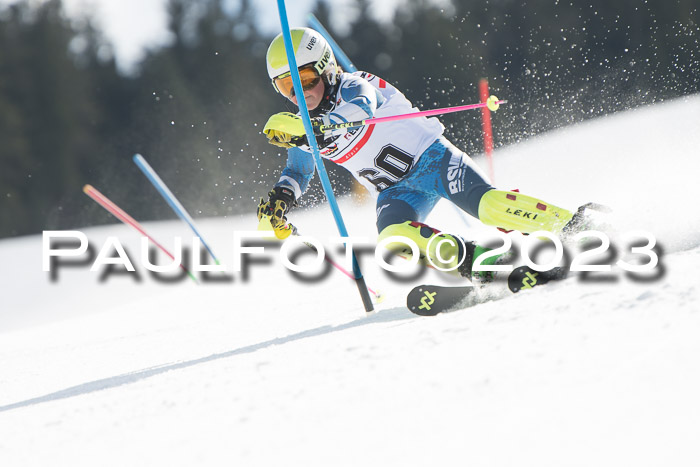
[278, 372]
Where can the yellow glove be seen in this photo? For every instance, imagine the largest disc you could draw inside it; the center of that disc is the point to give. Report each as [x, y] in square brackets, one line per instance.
[272, 213]
[285, 130]
[281, 200]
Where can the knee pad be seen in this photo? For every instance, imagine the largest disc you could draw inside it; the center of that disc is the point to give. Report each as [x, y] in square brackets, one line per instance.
[515, 211]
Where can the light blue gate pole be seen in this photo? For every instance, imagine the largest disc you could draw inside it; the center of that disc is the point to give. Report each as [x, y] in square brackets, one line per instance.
[343, 59]
[323, 175]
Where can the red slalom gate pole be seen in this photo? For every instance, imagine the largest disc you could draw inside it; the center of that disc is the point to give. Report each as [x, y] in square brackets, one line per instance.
[486, 126]
[120, 214]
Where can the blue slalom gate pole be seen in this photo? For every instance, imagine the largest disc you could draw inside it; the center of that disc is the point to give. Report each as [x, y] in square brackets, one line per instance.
[170, 198]
[345, 62]
[323, 175]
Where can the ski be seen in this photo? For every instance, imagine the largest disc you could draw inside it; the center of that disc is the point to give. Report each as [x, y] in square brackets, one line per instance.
[430, 300]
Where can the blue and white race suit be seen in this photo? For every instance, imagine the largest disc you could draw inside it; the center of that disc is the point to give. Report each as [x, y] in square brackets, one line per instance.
[407, 164]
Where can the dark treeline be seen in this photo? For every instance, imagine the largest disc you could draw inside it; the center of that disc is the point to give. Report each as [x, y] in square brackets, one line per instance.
[195, 108]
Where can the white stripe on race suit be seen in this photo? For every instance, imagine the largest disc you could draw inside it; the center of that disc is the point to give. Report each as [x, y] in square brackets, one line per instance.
[293, 184]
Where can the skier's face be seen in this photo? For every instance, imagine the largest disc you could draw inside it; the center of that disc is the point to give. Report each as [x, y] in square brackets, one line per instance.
[313, 96]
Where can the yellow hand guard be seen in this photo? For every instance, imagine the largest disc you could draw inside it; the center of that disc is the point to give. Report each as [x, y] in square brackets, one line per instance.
[282, 129]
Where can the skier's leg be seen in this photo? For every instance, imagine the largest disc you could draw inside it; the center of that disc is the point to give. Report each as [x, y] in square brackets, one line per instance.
[515, 211]
[463, 183]
[399, 214]
[402, 208]
[445, 251]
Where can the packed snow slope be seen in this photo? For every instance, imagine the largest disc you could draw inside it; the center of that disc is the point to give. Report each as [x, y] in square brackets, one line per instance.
[274, 371]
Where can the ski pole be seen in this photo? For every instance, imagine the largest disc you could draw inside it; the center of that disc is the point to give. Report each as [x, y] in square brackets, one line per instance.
[288, 230]
[120, 214]
[170, 198]
[492, 104]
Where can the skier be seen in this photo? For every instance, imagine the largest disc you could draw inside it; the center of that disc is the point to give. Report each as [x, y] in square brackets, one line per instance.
[408, 164]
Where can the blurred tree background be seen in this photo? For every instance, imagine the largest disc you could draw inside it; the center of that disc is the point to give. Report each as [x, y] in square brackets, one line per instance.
[195, 108]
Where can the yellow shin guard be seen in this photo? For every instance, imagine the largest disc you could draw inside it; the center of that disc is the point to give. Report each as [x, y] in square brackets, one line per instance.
[514, 211]
[428, 240]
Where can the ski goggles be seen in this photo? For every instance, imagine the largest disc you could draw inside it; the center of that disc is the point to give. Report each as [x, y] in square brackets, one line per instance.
[309, 79]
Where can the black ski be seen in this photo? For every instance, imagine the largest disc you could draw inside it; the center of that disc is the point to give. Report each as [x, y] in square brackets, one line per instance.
[429, 300]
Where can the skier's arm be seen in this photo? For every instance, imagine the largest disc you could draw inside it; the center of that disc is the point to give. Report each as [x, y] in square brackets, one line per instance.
[292, 184]
[298, 173]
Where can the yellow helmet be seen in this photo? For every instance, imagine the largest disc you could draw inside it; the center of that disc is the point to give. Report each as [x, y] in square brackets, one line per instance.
[311, 51]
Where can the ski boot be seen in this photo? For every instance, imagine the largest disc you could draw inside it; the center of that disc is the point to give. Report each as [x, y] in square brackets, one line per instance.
[587, 217]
